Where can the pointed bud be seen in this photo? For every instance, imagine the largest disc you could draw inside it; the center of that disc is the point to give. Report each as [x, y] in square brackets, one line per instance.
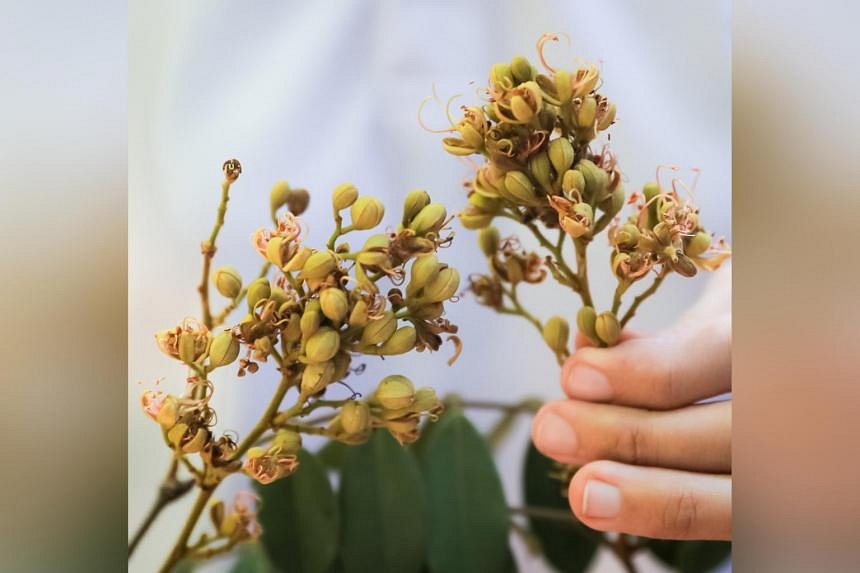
[401, 342]
[379, 330]
[279, 194]
[395, 392]
[474, 218]
[224, 349]
[358, 317]
[424, 269]
[319, 265]
[607, 328]
[415, 201]
[366, 212]
[289, 441]
[586, 319]
[311, 319]
[596, 180]
[521, 69]
[573, 179]
[484, 203]
[299, 259]
[540, 168]
[355, 417]
[258, 290]
[443, 286]
[501, 76]
[556, 332]
[228, 281]
[520, 187]
[429, 220]
[488, 240]
[316, 377]
[344, 195]
[322, 345]
[563, 85]
[334, 304]
[699, 243]
[561, 154]
[187, 347]
[586, 114]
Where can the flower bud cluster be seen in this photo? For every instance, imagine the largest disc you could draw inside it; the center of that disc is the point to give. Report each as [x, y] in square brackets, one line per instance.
[323, 308]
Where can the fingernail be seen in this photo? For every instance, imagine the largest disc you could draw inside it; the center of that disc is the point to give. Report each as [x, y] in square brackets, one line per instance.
[599, 499]
[587, 383]
[555, 436]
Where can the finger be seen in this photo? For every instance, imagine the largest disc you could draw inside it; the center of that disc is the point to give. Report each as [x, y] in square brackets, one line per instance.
[659, 371]
[652, 502]
[695, 438]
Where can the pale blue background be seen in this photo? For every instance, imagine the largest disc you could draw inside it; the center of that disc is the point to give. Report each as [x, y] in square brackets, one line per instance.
[318, 93]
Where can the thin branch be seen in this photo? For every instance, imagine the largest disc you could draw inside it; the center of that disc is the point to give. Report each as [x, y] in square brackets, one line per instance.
[170, 490]
[641, 298]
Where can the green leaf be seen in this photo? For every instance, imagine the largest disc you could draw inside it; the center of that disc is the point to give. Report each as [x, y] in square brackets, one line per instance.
[299, 519]
[332, 454]
[468, 513]
[383, 508]
[565, 545]
[252, 559]
[690, 556]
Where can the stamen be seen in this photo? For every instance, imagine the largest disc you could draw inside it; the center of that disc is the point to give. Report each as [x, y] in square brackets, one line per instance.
[458, 348]
[665, 166]
[540, 45]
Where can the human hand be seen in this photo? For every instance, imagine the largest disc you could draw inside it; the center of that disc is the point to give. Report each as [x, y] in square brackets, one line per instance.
[653, 463]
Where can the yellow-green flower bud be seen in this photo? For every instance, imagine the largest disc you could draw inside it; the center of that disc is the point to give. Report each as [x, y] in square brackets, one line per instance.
[596, 179]
[187, 347]
[541, 170]
[299, 259]
[343, 196]
[279, 195]
[401, 342]
[322, 345]
[488, 240]
[556, 332]
[613, 204]
[355, 417]
[395, 392]
[224, 349]
[263, 346]
[334, 304]
[521, 69]
[474, 218]
[586, 114]
[520, 187]
[563, 85]
[484, 203]
[700, 243]
[293, 330]
[500, 75]
[379, 330]
[258, 290]
[586, 319]
[415, 201]
[560, 154]
[358, 317]
[311, 319]
[372, 259]
[607, 328]
[342, 360]
[289, 441]
[227, 281]
[429, 220]
[366, 212]
[424, 269]
[316, 377]
[650, 190]
[443, 286]
[319, 265]
[298, 200]
[571, 180]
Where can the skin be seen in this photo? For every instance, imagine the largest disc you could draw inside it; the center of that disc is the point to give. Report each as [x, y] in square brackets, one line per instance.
[654, 462]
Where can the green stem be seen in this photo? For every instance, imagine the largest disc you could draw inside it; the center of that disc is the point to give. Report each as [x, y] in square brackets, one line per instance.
[619, 292]
[208, 250]
[169, 491]
[266, 420]
[180, 547]
[582, 271]
[303, 429]
[642, 298]
[518, 308]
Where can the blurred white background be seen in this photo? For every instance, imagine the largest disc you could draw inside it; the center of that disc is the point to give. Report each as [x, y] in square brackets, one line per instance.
[319, 93]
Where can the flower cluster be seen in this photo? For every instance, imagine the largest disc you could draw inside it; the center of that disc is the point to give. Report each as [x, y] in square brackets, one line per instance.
[320, 310]
[535, 133]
